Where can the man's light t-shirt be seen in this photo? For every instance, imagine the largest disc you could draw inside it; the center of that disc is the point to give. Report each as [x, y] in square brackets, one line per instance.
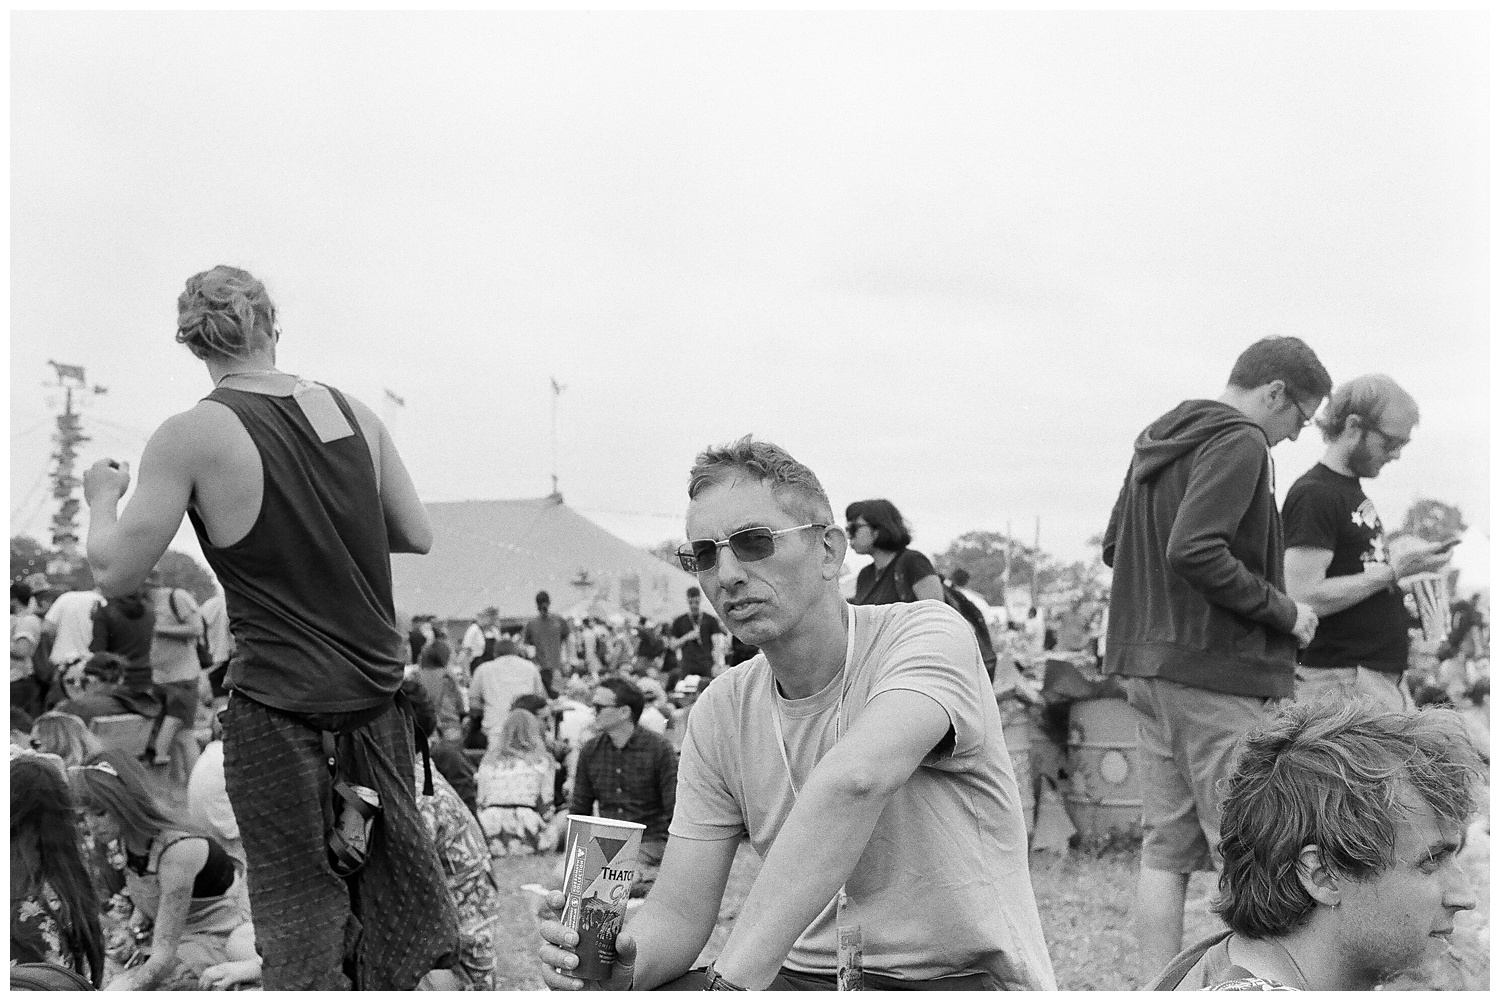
[499, 682]
[942, 887]
[73, 616]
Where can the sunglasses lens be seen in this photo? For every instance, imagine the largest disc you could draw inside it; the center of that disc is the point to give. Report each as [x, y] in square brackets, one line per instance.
[705, 554]
[753, 544]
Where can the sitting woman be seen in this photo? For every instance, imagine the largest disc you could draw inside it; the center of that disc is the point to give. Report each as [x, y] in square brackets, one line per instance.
[54, 913]
[515, 788]
[184, 882]
[66, 736]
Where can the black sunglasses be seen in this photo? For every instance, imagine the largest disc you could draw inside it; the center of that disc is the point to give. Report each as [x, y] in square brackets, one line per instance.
[749, 545]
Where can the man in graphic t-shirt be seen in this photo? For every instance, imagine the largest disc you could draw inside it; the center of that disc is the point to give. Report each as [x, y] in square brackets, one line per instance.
[1336, 556]
[860, 752]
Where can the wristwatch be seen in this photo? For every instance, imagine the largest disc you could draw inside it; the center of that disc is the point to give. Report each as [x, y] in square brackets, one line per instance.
[712, 981]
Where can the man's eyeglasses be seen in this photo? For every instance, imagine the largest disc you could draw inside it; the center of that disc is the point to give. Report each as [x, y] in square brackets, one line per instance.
[1306, 417]
[749, 545]
[1392, 442]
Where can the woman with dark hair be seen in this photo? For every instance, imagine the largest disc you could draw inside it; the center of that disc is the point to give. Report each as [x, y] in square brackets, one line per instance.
[54, 913]
[183, 881]
[898, 574]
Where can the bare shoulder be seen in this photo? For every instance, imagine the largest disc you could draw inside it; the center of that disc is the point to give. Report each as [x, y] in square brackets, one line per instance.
[369, 421]
[206, 417]
[186, 436]
[184, 858]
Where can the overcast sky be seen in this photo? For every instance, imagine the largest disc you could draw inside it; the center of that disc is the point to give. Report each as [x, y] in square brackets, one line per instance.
[954, 260]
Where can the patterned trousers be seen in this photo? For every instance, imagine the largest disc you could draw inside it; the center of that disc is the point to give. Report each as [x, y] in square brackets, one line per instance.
[383, 929]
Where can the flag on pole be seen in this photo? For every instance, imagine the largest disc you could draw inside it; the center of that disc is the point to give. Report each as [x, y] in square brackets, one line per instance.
[557, 388]
[68, 371]
[398, 401]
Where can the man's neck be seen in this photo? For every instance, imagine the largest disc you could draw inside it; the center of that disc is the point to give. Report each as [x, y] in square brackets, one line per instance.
[1337, 459]
[257, 362]
[1301, 959]
[620, 735]
[1249, 403]
[806, 660]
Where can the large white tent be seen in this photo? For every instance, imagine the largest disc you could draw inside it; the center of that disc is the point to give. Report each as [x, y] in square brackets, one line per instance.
[502, 552]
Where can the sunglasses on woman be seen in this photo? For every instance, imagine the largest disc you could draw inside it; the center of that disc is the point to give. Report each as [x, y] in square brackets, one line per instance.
[749, 545]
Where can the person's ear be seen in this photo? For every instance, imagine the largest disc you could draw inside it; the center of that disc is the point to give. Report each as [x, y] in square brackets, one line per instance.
[1320, 882]
[835, 546]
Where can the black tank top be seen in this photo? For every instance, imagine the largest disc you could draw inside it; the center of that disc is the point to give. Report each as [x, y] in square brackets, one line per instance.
[213, 880]
[308, 589]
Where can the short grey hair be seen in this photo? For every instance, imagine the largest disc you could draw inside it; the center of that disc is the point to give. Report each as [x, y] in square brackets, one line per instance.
[795, 486]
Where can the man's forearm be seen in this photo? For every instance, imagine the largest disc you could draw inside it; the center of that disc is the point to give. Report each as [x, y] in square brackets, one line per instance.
[666, 942]
[813, 855]
[1334, 594]
[99, 546]
[176, 632]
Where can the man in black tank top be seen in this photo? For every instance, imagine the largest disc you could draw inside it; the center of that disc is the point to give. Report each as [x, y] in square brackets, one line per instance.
[298, 497]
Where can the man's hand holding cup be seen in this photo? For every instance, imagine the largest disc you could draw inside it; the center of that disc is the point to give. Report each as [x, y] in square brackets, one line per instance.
[558, 957]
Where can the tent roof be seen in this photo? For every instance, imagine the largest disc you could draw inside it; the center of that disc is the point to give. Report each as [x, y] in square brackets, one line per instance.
[502, 552]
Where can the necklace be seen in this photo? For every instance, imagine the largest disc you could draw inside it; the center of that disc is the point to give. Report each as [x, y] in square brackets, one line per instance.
[1295, 965]
[249, 371]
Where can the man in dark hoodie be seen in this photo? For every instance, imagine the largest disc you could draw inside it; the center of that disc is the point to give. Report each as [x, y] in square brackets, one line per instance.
[1200, 627]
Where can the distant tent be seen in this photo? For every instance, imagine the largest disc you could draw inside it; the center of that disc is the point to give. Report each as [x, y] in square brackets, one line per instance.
[502, 552]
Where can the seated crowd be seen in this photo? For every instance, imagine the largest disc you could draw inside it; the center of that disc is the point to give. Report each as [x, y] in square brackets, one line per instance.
[127, 864]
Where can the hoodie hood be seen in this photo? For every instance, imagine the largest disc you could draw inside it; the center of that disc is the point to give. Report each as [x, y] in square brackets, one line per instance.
[1182, 430]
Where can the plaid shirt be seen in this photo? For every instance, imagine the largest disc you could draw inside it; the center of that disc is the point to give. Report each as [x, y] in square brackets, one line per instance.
[637, 782]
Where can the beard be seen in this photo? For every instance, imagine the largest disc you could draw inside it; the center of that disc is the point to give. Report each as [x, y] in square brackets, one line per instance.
[1364, 462]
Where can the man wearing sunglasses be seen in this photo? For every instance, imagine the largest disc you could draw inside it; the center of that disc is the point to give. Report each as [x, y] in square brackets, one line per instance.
[1200, 626]
[1336, 555]
[630, 772]
[860, 752]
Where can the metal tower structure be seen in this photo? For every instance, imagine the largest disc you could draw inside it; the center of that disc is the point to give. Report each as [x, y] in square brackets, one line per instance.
[65, 480]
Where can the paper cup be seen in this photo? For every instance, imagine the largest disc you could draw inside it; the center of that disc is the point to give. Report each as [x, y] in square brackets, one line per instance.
[600, 868]
[1430, 592]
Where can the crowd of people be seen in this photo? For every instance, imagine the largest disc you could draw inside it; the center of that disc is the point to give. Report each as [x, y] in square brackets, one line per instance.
[282, 788]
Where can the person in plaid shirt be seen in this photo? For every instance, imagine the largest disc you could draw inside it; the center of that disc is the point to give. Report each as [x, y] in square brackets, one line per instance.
[630, 772]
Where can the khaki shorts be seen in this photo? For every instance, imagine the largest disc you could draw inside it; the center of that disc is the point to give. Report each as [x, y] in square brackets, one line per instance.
[1189, 739]
[1349, 683]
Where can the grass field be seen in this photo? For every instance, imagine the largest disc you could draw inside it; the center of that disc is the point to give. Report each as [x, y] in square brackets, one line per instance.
[1085, 903]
